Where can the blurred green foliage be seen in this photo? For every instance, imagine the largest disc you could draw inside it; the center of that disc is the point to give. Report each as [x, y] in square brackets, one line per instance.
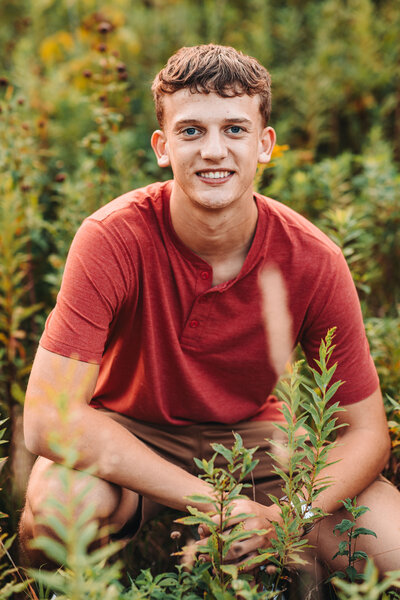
[76, 116]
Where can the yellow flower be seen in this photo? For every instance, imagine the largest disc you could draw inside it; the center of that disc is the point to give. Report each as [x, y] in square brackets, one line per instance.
[53, 48]
[279, 151]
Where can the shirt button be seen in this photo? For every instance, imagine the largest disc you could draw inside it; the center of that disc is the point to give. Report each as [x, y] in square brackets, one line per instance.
[194, 324]
[204, 275]
[203, 299]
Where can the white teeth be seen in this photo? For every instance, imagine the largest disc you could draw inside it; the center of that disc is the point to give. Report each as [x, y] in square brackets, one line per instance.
[214, 174]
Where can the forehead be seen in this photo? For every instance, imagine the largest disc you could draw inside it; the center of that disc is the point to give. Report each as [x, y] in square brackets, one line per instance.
[184, 105]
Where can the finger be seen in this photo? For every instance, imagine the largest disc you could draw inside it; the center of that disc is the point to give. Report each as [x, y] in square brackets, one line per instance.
[246, 568]
[270, 569]
[242, 548]
[203, 558]
[188, 555]
[203, 531]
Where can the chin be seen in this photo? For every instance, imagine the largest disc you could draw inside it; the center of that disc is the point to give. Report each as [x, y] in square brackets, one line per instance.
[214, 203]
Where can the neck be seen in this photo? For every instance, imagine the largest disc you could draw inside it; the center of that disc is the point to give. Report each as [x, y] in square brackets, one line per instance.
[220, 237]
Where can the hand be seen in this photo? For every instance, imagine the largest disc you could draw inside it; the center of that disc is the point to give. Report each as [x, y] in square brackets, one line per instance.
[244, 549]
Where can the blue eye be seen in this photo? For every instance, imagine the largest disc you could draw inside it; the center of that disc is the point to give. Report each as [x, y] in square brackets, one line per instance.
[235, 129]
[191, 131]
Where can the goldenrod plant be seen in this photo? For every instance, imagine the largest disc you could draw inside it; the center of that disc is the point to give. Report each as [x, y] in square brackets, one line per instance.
[86, 571]
[371, 587]
[12, 578]
[88, 564]
[21, 224]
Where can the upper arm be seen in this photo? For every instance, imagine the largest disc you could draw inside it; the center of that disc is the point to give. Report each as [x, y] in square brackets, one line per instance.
[57, 385]
[98, 281]
[335, 303]
[368, 417]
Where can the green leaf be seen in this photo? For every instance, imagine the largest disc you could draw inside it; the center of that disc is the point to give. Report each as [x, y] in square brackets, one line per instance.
[86, 536]
[225, 452]
[53, 549]
[199, 499]
[343, 548]
[231, 570]
[363, 531]
[257, 560]
[57, 526]
[17, 393]
[333, 389]
[344, 526]
[198, 463]
[351, 573]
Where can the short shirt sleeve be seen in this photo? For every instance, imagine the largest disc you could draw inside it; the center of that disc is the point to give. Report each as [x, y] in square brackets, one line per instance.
[96, 281]
[336, 304]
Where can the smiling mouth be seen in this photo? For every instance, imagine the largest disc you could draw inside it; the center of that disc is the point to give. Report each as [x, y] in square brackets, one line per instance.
[214, 176]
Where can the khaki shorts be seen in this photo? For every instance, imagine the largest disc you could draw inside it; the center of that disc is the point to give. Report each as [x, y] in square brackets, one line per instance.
[180, 444]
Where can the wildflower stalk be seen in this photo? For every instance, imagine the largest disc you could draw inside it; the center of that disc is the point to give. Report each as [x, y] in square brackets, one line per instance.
[227, 484]
[77, 542]
[309, 426]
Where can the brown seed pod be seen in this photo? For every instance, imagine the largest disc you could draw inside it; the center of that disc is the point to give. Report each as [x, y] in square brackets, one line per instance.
[87, 73]
[60, 177]
[104, 27]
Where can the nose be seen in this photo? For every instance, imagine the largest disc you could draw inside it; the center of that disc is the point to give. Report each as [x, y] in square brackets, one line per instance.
[213, 147]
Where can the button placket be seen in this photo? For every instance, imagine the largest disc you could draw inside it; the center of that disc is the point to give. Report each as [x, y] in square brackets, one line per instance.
[197, 318]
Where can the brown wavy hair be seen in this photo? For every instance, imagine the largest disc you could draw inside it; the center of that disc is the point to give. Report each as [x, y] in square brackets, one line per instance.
[211, 68]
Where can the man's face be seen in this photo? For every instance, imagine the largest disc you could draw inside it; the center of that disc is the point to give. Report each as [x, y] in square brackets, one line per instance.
[213, 145]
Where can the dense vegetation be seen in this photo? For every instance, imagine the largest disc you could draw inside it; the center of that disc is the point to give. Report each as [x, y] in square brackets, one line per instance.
[76, 116]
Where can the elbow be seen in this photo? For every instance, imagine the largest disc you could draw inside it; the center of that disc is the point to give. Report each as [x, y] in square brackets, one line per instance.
[387, 449]
[37, 427]
[33, 435]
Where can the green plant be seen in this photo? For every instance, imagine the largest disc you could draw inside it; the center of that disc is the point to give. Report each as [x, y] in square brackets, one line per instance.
[371, 587]
[348, 547]
[12, 581]
[88, 572]
[85, 571]
[307, 456]
[301, 471]
[20, 226]
[227, 484]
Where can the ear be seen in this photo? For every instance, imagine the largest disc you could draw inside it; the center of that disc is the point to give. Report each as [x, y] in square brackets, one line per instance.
[267, 143]
[160, 146]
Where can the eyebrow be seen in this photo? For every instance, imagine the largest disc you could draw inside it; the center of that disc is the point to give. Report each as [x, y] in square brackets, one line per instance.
[241, 120]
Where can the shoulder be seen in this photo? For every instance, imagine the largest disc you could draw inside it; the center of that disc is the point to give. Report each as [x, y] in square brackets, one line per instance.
[133, 202]
[289, 227]
[126, 223]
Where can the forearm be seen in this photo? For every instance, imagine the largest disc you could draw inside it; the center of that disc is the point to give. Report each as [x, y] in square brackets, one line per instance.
[359, 456]
[119, 457]
[57, 414]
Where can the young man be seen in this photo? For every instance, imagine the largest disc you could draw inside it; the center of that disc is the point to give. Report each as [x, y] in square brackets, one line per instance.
[158, 339]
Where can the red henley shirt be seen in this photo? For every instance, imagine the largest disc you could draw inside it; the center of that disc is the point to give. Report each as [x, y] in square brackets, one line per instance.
[174, 349]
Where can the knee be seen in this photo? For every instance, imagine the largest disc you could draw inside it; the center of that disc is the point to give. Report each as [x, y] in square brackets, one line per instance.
[54, 489]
